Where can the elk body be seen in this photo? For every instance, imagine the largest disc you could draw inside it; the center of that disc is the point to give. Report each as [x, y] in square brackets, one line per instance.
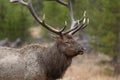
[36, 62]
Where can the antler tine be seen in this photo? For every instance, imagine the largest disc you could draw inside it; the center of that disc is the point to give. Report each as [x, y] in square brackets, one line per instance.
[62, 2]
[64, 27]
[82, 26]
[42, 22]
[74, 28]
[73, 22]
[69, 6]
[20, 1]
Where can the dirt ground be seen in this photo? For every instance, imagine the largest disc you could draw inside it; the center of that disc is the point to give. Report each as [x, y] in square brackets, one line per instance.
[90, 67]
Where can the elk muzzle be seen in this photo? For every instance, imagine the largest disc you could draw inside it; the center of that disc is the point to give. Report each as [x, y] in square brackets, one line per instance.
[80, 51]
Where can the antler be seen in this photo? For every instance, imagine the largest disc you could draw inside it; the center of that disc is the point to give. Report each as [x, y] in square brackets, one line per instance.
[75, 25]
[82, 23]
[41, 21]
[62, 2]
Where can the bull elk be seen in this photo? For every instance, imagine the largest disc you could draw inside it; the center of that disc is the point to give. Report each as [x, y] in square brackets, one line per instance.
[36, 62]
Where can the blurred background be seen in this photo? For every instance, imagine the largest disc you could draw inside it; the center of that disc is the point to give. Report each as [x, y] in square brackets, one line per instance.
[101, 38]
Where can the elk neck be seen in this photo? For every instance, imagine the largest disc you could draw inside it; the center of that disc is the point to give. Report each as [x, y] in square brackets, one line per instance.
[55, 62]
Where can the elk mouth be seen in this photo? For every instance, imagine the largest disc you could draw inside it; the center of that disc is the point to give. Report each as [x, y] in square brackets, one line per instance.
[80, 52]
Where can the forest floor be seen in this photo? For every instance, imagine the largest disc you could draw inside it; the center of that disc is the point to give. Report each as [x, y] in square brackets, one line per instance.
[93, 66]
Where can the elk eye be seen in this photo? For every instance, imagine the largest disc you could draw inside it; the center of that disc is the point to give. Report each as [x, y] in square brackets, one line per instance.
[66, 42]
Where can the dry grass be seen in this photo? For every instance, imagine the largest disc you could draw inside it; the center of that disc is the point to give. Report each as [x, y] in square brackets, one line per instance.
[87, 67]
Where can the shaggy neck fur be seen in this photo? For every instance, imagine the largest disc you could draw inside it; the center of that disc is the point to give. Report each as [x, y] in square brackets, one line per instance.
[55, 62]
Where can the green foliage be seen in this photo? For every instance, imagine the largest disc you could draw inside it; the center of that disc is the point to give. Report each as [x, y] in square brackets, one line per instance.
[105, 24]
[14, 21]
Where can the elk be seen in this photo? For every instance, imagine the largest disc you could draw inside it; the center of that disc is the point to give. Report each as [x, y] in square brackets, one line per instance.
[36, 62]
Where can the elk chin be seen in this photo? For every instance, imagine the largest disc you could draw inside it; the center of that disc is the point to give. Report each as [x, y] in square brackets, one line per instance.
[80, 52]
[73, 54]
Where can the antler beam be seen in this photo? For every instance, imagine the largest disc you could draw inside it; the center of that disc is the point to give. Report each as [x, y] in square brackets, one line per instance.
[76, 25]
[42, 22]
[62, 2]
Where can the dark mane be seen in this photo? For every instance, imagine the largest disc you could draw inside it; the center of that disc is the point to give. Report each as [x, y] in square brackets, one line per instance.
[56, 65]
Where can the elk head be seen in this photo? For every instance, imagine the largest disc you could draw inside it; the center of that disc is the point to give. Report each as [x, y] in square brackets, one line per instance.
[64, 40]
